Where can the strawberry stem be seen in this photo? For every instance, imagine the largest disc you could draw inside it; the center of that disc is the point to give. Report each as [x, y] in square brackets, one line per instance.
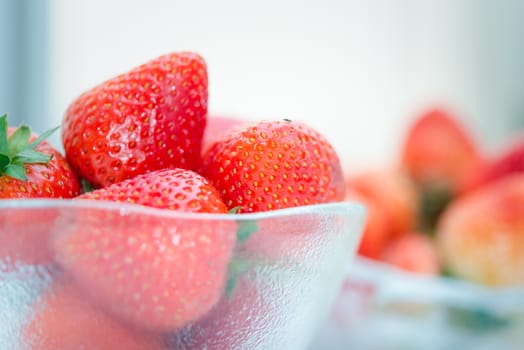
[16, 150]
[245, 230]
[239, 266]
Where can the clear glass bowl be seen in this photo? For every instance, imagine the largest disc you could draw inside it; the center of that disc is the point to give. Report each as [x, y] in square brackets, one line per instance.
[382, 307]
[295, 265]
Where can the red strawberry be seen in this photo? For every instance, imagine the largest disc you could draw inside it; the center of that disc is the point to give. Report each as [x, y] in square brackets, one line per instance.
[150, 118]
[481, 234]
[30, 167]
[376, 232]
[392, 190]
[274, 164]
[509, 161]
[61, 319]
[413, 252]
[438, 151]
[158, 271]
[216, 128]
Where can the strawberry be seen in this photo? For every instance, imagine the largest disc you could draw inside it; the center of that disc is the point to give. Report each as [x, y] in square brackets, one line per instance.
[414, 252]
[218, 127]
[391, 189]
[274, 164]
[158, 271]
[440, 155]
[439, 151]
[31, 168]
[481, 234]
[150, 118]
[62, 319]
[509, 161]
[376, 231]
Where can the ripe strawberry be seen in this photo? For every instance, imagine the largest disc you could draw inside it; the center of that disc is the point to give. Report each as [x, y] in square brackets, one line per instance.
[158, 271]
[438, 151]
[216, 128]
[150, 118]
[274, 164]
[481, 234]
[30, 167]
[412, 252]
[62, 319]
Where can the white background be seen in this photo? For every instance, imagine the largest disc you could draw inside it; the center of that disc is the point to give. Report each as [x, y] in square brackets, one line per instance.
[356, 70]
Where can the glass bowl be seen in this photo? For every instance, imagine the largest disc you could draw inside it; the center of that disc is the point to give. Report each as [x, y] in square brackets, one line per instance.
[287, 273]
[382, 307]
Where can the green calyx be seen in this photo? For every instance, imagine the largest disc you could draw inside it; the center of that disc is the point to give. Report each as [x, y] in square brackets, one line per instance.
[16, 150]
[245, 227]
[239, 266]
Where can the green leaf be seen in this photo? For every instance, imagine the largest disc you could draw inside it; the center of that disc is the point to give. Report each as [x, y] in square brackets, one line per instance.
[29, 156]
[86, 186]
[15, 150]
[432, 203]
[3, 134]
[16, 171]
[234, 210]
[447, 272]
[246, 229]
[42, 137]
[18, 140]
[231, 284]
[4, 161]
[236, 268]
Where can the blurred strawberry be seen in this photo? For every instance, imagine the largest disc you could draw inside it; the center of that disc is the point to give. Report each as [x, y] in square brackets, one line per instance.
[273, 165]
[413, 252]
[509, 161]
[62, 319]
[149, 118]
[156, 273]
[481, 234]
[376, 230]
[441, 156]
[439, 151]
[216, 128]
[393, 191]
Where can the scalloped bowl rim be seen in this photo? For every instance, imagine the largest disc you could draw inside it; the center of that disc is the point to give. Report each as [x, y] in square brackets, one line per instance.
[347, 207]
